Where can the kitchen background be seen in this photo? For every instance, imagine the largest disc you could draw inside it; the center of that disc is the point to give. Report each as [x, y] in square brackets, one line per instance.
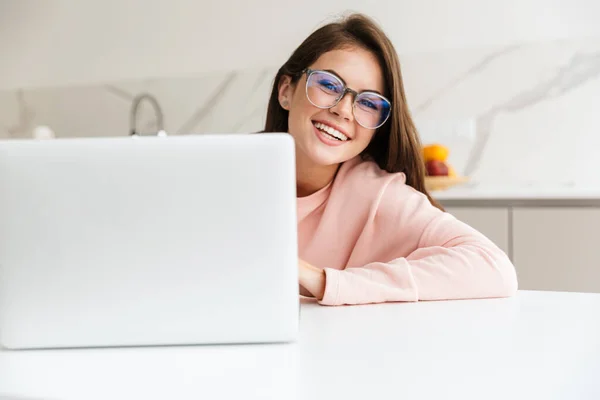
[511, 87]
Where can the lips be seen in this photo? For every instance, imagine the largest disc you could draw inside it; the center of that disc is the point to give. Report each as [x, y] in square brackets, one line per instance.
[327, 139]
[331, 131]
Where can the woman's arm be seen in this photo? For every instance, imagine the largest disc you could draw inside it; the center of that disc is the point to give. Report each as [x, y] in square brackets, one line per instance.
[450, 260]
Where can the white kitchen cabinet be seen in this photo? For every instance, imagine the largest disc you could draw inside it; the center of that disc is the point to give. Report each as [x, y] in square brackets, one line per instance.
[493, 222]
[557, 248]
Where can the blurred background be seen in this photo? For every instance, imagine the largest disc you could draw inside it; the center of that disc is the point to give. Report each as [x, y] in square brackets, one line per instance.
[510, 88]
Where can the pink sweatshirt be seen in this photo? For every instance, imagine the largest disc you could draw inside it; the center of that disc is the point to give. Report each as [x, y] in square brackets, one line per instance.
[380, 240]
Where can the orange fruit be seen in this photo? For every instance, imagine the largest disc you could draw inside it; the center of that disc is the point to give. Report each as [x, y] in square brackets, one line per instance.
[435, 152]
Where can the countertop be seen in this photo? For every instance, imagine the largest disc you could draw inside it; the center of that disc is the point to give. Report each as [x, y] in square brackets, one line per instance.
[518, 195]
[536, 345]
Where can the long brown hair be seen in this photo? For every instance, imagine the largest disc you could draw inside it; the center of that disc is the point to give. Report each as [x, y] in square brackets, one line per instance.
[395, 147]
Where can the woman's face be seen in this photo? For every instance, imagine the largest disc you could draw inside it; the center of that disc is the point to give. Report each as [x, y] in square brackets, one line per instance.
[360, 71]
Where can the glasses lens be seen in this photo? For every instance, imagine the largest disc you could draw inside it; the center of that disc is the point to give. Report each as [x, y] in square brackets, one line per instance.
[371, 110]
[323, 89]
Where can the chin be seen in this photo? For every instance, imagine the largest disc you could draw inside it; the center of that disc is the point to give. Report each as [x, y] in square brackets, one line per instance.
[328, 157]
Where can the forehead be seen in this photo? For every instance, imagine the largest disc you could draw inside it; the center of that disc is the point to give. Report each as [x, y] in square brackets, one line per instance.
[356, 66]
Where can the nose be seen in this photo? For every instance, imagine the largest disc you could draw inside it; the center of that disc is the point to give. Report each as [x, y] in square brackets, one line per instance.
[343, 108]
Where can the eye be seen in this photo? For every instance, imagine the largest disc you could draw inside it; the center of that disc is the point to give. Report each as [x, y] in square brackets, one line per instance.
[369, 104]
[329, 85]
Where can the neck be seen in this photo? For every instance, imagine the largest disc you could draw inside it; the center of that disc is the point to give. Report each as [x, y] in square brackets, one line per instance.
[311, 178]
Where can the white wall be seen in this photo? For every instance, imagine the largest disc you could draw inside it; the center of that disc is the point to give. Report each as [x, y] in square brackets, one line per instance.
[526, 77]
[60, 42]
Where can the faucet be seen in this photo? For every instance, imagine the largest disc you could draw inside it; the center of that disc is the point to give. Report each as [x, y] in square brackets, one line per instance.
[157, 112]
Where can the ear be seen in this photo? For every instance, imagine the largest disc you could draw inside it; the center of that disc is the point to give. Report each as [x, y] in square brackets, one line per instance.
[286, 91]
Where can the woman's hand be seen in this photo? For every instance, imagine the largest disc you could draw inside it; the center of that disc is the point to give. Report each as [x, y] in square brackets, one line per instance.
[304, 292]
[312, 279]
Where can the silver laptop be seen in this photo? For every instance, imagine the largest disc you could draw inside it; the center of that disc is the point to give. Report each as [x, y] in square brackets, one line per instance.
[148, 241]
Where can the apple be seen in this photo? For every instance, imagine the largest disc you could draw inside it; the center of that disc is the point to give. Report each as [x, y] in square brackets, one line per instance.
[436, 168]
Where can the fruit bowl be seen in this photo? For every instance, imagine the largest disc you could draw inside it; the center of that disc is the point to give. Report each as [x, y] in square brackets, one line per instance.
[439, 173]
[436, 183]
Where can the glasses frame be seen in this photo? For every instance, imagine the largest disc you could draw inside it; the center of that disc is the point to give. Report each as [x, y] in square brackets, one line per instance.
[309, 72]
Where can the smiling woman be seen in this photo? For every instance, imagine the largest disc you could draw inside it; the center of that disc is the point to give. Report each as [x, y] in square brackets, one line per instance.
[368, 230]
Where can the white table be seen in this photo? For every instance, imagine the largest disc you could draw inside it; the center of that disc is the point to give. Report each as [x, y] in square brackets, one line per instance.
[537, 345]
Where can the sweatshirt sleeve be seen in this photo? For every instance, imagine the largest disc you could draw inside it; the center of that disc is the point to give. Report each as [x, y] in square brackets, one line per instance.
[435, 257]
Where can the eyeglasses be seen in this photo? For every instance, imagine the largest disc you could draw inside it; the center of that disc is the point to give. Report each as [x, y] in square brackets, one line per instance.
[325, 90]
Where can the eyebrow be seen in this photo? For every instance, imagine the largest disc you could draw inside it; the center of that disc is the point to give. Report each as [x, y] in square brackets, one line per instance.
[344, 82]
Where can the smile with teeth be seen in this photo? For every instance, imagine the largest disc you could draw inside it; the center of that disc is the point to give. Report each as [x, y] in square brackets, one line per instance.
[329, 131]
